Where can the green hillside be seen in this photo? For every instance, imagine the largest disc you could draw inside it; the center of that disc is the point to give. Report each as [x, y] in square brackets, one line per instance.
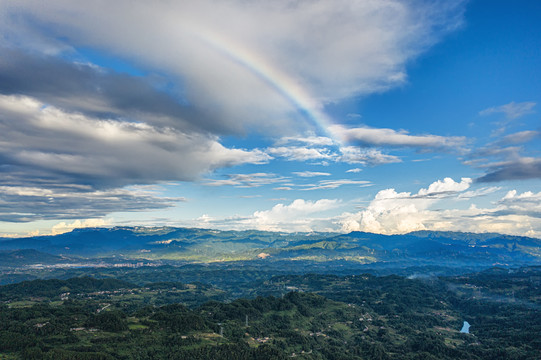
[307, 316]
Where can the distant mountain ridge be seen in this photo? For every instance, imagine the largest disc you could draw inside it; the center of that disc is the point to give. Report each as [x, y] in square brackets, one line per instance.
[204, 245]
[20, 257]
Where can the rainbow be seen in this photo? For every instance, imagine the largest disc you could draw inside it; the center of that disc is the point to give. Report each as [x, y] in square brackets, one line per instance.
[281, 82]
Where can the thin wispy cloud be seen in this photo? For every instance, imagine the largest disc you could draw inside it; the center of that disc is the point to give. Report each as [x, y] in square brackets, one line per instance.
[310, 173]
[520, 137]
[247, 180]
[511, 110]
[299, 153]
[356, 155]
[310, 140]
[334, 184]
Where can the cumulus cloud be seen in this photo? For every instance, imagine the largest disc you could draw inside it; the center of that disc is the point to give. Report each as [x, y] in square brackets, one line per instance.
[64, 227]
[527, 203]
[297, 216]
[399, 212]
[366, 136]
[446, 186]
[392, 212]
[512, 110]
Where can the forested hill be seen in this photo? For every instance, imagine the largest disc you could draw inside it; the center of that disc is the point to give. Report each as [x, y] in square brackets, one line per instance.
[54, 287]
[310, 316]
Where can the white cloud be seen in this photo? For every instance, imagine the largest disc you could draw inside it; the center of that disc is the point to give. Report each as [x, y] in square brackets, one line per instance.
[512, 110]
[310, 140]
[296, 216]
[391, 212]
[526, 203]
[355, 155]
[299, 215]
[355, 170]
[366, 136]
[519, 137]
[104, 151]
[467, 195]
[310, 173]
[448, 185]
[247, 180]
[333, 184]
[64, 227]
[297, 153]
[64, 162]
[311, 51]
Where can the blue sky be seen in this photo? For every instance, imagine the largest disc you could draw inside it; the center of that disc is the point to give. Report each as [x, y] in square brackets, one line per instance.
[377, 116]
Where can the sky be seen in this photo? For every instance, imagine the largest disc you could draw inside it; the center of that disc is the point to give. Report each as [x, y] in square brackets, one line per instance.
[384, 116]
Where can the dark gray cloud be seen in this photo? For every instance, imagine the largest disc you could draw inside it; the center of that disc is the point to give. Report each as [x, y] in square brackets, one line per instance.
[100, 92]
[505, 159]
[59, 164]
[24, 204]
[72, 136]
[520, 169]
[40, 142]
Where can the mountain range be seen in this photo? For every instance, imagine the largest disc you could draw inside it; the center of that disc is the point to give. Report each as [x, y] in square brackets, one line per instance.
[171, 244]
